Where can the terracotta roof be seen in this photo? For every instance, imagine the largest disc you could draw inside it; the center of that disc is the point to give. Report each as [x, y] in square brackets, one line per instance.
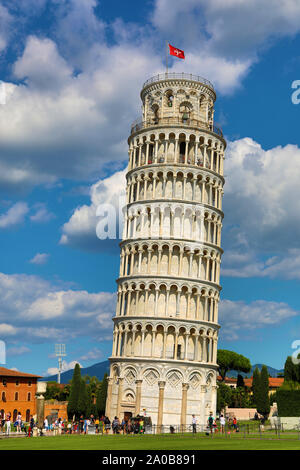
[273, 381]
[229, 380]
[15, 373]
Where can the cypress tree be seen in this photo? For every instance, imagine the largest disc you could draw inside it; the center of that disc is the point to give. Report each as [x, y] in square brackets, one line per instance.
[263, 401]
[83, 399]
[290, 370]
[101, 396]
[74, 392]
[255, 384]
[89, 403]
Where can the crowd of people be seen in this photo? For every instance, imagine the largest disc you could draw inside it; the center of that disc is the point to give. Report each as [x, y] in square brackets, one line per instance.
[103, 425]
[215, 425]
[6, 424]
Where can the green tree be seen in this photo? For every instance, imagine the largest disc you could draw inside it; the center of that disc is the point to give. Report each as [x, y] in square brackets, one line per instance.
[224, 396]
[74, 392]
[291, 370]
[262, 400]
[230, 360]
[83, 400]
[64, 393]
[240, 381]
[52, 391]
[255, 384]
[101, 396]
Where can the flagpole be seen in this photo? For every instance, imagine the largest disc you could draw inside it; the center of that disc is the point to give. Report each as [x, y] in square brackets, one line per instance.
[166, 57]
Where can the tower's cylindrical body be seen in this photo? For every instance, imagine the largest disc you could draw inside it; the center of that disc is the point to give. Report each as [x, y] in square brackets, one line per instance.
[163, 361]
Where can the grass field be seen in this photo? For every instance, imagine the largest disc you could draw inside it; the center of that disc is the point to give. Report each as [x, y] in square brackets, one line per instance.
[149, 442]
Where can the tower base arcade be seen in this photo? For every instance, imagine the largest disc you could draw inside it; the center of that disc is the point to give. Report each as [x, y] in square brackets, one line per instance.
[169, 392]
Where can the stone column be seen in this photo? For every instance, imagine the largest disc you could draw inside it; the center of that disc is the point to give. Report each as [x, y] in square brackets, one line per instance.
[109, 395]
[40, 403]
[161, 385]
[138, 396]
[176, 346]
[185, 388]
[176, 159]
[120, 393]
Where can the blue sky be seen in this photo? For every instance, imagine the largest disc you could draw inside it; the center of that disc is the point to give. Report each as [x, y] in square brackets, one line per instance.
[72, 71]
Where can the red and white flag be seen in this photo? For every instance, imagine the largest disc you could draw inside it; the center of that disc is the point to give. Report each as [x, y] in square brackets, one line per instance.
[176, 52]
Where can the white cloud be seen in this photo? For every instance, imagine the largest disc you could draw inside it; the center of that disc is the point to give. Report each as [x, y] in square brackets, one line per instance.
[15, 215]
[61, 125]
[40, 258]
[7, 330]
[17, 350]
[43, 312]
[94, 354]
[235, 29]
[70, 115]
[239, 319]
[65, 366]
[41, 214]
[262, 207]
[42, 65]
[80, 230]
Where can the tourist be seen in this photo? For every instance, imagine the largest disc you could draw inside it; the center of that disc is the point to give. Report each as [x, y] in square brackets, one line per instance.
[85, 425]
[234, 423]
[106, 424]
[46, 425]
[81, 423]
[115, 425]
[210, 422]
[262, 423]
[31, 426]
[194, 424]
[19, 422]
[123, 424]
[2, 421]
[222, 424]
[142, 429]
[129, 427]
[97, 425]
[8, 424]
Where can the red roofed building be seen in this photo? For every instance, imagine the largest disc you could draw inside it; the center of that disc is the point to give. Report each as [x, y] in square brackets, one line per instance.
[274, 383]
[17, 393]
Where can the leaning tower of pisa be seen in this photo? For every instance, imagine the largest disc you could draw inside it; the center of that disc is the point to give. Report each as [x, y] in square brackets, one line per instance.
[163, 362]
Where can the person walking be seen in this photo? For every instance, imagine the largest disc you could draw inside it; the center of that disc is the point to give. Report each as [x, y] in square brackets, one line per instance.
[194, 424]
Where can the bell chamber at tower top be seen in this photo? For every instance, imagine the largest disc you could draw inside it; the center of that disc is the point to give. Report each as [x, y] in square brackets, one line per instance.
[177, 124]
[183, 100]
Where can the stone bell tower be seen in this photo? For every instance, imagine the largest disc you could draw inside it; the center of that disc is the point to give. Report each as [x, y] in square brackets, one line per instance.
[165, 336]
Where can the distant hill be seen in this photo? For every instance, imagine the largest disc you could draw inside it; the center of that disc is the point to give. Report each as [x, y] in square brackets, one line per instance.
[272, 372]
[98, 370]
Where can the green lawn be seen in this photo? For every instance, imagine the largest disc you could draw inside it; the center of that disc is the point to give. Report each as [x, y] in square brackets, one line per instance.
[148, 442]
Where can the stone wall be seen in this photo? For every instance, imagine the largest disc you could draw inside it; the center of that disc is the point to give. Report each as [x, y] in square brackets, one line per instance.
[54, 406]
